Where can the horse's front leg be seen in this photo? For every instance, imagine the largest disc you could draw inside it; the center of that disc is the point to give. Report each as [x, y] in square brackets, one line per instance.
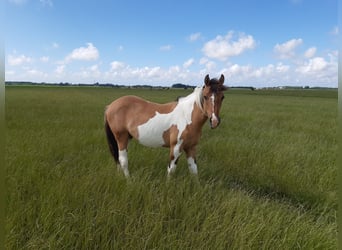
[175, 152]
[191, 158]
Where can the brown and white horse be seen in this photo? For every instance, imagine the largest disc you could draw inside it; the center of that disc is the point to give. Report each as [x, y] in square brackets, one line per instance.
[177, 125]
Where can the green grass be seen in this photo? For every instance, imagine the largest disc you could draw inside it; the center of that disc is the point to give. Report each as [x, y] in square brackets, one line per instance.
[266, 175]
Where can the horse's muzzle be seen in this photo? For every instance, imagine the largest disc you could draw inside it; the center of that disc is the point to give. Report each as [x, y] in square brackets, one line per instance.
[214, 121]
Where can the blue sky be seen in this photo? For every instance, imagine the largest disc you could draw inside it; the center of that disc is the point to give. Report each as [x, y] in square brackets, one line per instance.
[252, 42]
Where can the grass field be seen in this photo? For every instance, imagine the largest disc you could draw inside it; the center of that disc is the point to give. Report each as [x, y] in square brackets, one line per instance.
[266, 175]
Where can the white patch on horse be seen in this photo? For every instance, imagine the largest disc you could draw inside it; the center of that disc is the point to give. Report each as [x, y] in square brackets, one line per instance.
[176, 150]
[124, 161]
[176, 154]
[192, 165]
[151, 133]
[213, 116]
[212, 97]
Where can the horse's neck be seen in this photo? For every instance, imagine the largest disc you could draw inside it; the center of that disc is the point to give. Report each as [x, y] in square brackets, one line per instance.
[198, 116]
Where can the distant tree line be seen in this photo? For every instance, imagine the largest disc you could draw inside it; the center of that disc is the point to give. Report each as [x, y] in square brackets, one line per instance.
[242, 87]
[182, 86]
[111, 85]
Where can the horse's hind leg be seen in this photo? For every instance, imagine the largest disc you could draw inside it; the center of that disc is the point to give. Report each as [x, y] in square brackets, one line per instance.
[124, 161]
[122, 140]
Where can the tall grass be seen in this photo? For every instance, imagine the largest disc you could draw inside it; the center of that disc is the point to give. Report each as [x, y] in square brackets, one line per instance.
[266, 175]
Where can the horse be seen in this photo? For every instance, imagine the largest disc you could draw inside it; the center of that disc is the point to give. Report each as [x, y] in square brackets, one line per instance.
[176, 125]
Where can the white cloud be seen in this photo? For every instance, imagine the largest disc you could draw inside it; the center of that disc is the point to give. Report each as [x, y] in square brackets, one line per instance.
[122, 73]
[281, 68]
[165, 47]
[188, 63]
[203, 60]
[287, 50]
[319, 70]
[314, 65]
[116, 65]
[88, 53]
[36, 73]
[91, 73]
[94, 68]
[44, 59]
[333, 55]
[60, 69]
[264, 71]
[194, 37]
[9, 73]
[144, 73]
[18, 60]
[223, 47]
[210, 66]
[174, 69]
[305, 69]
[313, 71]
[236, 71]
[248, 75]
[310, 52]
[153, 72]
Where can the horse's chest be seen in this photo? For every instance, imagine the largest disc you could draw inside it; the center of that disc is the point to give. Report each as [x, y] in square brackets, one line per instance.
[153, 131]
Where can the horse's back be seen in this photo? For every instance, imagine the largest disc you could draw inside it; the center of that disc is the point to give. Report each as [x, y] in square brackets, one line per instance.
[125, 100]
[128, 112]
[135, 104]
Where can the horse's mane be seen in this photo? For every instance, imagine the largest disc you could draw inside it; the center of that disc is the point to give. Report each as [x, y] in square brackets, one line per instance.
[198, 97]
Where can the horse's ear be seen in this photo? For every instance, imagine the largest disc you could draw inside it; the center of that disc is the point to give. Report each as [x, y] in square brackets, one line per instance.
[207, 80]
[221, 80]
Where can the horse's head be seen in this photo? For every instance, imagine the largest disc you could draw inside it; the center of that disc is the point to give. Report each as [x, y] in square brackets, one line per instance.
[212, 99]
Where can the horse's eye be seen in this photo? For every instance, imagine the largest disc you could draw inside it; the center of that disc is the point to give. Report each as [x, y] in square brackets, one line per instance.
[205, 97]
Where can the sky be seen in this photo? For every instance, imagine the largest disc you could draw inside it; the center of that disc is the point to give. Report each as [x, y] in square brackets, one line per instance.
[260, 43]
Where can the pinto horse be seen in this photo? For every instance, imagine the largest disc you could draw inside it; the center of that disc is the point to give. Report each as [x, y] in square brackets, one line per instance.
[177, 125]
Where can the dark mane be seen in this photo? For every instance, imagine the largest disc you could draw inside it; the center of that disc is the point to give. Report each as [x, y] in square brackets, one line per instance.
[214, 81]
[215, 85]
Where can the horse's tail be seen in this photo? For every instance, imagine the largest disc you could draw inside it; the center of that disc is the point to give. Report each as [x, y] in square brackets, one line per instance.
[113, 145]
